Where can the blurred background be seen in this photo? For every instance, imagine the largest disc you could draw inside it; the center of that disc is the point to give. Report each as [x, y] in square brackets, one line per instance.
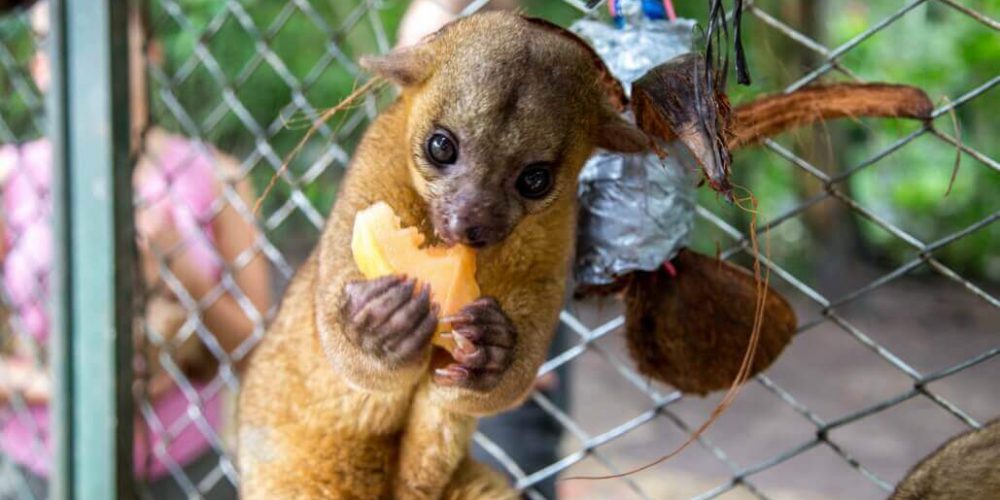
[897, 343]
[216, 77]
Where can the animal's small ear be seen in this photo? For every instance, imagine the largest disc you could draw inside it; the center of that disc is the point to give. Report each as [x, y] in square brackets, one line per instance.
[404, 66]
[616, 134]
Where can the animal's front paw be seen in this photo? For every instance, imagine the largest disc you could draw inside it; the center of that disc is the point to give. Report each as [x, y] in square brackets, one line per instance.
[485, 337]
[389, 319]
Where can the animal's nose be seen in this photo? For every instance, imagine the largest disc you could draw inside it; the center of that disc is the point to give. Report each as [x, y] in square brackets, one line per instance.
[475, 236]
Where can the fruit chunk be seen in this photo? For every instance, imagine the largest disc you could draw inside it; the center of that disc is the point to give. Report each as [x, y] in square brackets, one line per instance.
[381, 247]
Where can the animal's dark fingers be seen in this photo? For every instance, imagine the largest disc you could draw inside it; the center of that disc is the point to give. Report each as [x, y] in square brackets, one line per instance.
[486, 311]
[459, 318]
[361, 292]
[456, 375]
[451, 375]
[483, 380]
[485, 335]
[414, 311]
[404, 320]
[428, 327]
[469, 332]
[414, 340]
[500, 336]
[486, 302]
[498, 359]
[473, 312]
[369, 343]
[470, 355]
[487, 358]
[378, 310]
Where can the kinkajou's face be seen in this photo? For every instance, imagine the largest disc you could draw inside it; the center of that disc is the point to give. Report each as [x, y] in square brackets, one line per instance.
[487, 158]
[503, 113]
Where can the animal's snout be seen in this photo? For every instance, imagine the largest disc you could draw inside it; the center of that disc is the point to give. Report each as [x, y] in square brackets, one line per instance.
[475, 226]
[475, 235]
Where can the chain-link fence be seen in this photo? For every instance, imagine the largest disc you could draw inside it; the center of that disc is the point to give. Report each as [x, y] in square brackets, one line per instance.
[889, 359]
[27, 259]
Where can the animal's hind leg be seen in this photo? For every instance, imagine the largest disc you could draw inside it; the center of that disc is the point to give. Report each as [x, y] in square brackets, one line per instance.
[474, 481]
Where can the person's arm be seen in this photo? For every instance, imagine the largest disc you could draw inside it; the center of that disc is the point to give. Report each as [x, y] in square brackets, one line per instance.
[233, 236]
[225, 318]
[3, 240]
[23, 378]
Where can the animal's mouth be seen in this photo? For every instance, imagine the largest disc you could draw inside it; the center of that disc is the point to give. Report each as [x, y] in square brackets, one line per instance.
[476, 243]
[447, 238]
[474, 238]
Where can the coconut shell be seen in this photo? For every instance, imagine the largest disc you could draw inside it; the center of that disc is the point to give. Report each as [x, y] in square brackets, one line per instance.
[672, 101]
[691, 330]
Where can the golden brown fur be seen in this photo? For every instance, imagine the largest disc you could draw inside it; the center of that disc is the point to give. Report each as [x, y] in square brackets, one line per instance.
[967, 467]
[319, 418]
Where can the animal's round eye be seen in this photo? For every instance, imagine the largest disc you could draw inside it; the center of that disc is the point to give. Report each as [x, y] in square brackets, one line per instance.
[441, 148]
[534, 182]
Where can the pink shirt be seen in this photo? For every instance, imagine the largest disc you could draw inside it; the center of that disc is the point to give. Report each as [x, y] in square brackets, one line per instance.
[179, 189]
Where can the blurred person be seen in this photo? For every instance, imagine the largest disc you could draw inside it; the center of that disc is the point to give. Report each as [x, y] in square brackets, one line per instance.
[528, 434]
[178, 184]
[424, 17]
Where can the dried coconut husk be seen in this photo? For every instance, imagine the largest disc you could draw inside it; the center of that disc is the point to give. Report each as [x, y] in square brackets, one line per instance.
[669, 106]
[675, 100]
[691, 330]
[768, 116]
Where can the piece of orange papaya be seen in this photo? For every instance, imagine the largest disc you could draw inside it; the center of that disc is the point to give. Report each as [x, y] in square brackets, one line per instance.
[382, 247]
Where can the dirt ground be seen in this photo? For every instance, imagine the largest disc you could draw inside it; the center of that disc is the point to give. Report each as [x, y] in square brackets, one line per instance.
[928, 322]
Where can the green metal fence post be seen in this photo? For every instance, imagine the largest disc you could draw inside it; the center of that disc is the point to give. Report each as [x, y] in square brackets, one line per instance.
[93, 198]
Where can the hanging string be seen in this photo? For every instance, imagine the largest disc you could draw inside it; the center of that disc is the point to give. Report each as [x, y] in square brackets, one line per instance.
[371, 85]
[742, 72]
[718, 27]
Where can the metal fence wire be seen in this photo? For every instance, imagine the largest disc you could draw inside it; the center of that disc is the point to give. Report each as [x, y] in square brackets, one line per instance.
[855, 401]
[25, 277]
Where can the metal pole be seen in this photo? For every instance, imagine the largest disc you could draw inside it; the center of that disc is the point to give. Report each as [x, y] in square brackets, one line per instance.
[93, 286]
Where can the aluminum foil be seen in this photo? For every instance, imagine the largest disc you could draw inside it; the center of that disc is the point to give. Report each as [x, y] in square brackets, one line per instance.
[636, 211]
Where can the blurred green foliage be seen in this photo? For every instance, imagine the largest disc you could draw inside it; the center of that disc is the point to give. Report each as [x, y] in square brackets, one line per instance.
[20, 102]
[227, 71]
[934, 47]
[947, 54]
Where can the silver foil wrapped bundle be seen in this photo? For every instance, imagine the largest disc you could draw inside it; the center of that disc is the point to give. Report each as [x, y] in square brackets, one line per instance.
[636, 211]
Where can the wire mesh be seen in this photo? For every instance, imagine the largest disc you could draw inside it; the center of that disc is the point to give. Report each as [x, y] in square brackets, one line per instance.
[210, 94]
[26, 271]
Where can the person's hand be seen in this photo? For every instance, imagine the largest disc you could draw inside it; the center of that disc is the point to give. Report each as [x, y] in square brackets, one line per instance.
[160, 239]
[21, 377]
[155, 234]
[159, 385]
[156, 228]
